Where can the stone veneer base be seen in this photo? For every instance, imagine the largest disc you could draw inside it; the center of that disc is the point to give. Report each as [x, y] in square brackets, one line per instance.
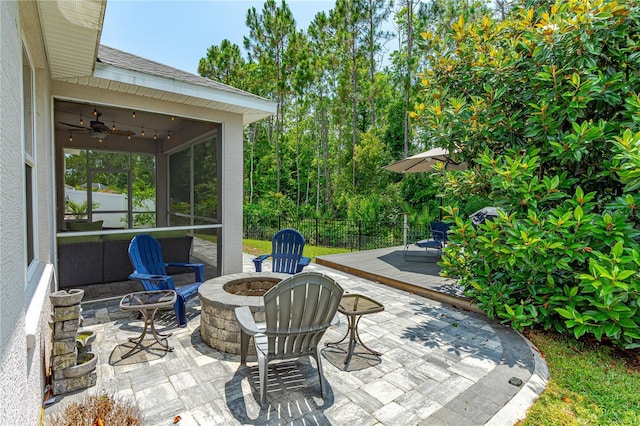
[218, 326]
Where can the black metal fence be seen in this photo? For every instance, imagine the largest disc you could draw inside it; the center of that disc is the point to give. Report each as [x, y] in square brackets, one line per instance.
[344, 233]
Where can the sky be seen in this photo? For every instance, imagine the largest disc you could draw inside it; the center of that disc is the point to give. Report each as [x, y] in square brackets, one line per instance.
[178, 33]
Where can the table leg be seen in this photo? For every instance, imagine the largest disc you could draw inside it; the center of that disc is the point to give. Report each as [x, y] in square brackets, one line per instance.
[361, 342]
[159, 336]
[353, 323]
[148, 322]
[354, 337]
[337, 342]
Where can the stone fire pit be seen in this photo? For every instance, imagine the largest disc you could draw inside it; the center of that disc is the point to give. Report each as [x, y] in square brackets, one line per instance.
[220, 296]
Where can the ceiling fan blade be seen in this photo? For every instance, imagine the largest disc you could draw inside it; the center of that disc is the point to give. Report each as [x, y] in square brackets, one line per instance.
[74, 125]
[122, 132]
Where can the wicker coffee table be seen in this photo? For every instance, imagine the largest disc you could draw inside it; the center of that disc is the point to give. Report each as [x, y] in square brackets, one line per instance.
[148, 303]
[354, 306]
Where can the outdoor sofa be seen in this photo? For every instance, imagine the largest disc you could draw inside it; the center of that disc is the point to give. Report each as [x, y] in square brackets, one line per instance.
[99, 259]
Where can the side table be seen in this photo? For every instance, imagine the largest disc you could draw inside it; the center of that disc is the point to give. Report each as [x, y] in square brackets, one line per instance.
[148, 303]
[354, 306]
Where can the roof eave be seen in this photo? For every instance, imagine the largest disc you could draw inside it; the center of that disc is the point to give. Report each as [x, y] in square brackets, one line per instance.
[71, 33]
[254, 107]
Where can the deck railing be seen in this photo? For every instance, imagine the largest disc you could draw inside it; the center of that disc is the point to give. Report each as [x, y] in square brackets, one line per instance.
[342, 233]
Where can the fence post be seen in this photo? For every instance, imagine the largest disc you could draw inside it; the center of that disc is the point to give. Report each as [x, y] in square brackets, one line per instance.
[317, 236]
[359, 235]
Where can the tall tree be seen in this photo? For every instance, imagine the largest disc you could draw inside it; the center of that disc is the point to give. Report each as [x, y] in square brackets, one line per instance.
[269, 34]
[225, 64]
[321, 35]
[349, 21]
[375, 13]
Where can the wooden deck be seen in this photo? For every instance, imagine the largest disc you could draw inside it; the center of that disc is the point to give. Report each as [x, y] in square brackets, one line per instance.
[419, 275]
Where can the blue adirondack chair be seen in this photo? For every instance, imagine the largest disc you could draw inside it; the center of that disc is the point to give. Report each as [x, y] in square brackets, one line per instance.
[286, 253]
[150, 269]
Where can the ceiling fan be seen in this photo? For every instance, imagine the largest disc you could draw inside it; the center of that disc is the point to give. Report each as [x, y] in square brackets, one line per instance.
[98, 130]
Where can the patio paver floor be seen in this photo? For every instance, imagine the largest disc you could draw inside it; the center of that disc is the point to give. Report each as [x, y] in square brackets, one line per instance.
[439, 365]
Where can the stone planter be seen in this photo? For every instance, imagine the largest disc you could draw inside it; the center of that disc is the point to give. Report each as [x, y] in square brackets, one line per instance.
[63, 298]
[86, 364]
[84, 339]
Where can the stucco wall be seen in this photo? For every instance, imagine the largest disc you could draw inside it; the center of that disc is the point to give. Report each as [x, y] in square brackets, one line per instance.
[21, 364]
[13, 374]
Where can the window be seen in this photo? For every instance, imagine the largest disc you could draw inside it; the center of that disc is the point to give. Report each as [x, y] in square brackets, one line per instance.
[29, 157]
[115, 187]
[193, 184]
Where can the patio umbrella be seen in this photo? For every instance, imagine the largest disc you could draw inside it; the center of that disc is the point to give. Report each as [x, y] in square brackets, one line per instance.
[425, 161]
[484, 214]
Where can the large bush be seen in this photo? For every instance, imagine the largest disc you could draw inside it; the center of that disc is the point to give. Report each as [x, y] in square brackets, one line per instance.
[544, 107]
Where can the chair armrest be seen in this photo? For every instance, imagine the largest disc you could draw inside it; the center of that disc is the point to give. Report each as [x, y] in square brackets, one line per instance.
[154, 282]
[439, 235]
[257, 262]
[198, 268]
[149, 277]
[246, 321]
[304, 261]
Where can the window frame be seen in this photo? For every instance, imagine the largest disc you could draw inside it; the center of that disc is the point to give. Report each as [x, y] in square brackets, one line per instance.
[28, 138]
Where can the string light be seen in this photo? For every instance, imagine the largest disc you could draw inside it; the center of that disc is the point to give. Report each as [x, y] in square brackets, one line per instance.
[81, 120]
[168, 135]
[100, 140]
[129, 137]
[172, 118]
[70, 137]
[113, 129]
[142, 133]
[155, 136]
[95, 112]
[133, 114]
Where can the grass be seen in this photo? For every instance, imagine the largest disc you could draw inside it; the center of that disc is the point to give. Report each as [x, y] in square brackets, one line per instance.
[589, 384]
[257, 247]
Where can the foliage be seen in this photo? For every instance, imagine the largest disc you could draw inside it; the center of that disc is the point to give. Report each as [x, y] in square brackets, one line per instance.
[98, 410]
[77, 210]
[539, 106]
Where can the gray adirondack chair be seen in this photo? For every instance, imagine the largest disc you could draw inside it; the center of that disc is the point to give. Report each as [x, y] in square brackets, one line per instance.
[298, 311]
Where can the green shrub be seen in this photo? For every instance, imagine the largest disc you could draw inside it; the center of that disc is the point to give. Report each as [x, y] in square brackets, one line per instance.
[540, 107]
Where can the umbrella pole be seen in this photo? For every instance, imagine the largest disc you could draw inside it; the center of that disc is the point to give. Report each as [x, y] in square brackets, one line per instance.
[404, 230]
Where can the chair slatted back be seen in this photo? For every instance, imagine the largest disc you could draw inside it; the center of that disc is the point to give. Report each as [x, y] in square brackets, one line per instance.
[145, 253]
[286, 251]
[439, 232]
[298, 311]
